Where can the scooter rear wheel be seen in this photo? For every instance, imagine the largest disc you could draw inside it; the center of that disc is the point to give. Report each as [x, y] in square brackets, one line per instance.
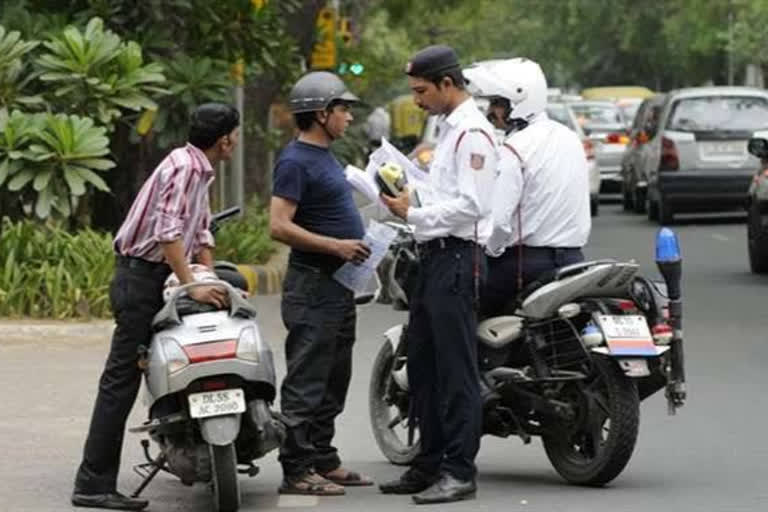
[226, 489]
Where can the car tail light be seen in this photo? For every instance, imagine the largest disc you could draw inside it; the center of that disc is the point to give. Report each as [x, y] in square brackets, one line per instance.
[662, 334]
[669, 158]
[211, 351]
[589, 149]
[616, 138]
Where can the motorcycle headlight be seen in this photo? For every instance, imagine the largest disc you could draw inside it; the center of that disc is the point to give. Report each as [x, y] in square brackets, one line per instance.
[175, 357]
[248, 344]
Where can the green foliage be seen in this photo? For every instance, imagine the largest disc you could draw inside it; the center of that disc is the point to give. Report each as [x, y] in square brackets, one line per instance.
[190, 82]
[14, 74]
[47, 272]
[52, 159]
[246, 240]
[100, 73]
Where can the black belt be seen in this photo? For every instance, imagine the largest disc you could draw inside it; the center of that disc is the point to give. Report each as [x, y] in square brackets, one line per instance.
[327, 269]
[440, 244]
[548, 250]
[140, 264]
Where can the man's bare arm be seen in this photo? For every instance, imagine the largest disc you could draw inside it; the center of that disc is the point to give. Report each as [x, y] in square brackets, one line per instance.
[284, 229]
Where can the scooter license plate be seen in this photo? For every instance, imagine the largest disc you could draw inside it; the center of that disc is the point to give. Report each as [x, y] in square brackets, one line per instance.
[627, 335]
[216, 403]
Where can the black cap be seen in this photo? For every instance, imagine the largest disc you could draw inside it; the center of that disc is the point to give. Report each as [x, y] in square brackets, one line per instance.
[432, 61]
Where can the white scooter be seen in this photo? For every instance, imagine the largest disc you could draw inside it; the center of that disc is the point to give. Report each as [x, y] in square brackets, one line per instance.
[210, 382]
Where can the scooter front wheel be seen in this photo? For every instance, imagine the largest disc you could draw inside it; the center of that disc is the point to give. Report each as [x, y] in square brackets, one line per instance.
[226, 489]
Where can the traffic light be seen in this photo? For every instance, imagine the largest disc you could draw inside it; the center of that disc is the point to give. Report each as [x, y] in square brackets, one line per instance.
[345, 31]
[324, 53]
[355, 68]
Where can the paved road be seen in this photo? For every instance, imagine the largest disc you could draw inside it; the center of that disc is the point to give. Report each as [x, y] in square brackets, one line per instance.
[711, 457]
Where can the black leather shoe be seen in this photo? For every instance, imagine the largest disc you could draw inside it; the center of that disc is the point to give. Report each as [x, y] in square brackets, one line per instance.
[113, 500]
[410, 482]
[446, 490]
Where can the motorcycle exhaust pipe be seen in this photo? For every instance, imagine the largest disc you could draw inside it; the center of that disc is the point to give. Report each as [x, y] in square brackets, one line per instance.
[670, 264]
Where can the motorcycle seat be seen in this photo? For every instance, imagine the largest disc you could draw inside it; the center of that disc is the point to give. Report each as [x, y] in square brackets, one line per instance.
[558, 274]
[549, 277]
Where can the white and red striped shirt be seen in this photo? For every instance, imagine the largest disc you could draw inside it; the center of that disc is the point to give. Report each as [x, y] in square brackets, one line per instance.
[171, 205]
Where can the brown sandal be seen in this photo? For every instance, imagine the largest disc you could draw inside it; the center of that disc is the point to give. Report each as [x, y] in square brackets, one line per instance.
[350, 478]
[310, 484]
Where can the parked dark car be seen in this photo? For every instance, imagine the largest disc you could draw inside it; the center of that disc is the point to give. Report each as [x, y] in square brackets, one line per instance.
[757, 206]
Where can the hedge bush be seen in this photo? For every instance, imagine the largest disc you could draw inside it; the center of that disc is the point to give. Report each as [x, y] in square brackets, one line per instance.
[48, 272]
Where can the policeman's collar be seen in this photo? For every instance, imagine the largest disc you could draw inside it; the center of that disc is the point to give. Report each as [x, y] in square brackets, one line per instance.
[460, 112]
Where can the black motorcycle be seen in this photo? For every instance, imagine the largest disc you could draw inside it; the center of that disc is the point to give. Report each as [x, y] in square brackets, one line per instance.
[570, 361]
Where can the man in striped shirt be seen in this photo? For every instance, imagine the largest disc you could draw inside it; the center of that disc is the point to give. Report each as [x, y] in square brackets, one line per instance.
[165, 230]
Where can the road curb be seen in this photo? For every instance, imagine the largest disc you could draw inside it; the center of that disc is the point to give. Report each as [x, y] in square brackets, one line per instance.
[267, 279]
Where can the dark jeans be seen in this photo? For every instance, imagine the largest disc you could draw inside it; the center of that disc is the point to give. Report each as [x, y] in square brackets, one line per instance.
[136, 296]
[442, 363]
[320, 316]
[501, 287]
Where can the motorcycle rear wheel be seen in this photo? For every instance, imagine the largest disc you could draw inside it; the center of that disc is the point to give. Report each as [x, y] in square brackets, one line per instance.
[596, 448]
[389, 421]
[226, 488]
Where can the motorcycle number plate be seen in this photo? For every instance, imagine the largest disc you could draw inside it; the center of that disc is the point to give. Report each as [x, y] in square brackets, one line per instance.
[627, 335]
[216, 403]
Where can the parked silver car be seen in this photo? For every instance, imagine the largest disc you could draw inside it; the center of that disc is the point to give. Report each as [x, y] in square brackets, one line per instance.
[697, 160]
[634, 181]
[604, 123]
[562, 113]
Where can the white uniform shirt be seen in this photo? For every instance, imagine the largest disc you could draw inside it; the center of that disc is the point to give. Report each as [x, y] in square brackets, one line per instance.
[461, 179]
[552, 189]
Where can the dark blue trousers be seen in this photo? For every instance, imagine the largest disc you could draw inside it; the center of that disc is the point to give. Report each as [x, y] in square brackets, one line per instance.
[442, 363]
[501, 287]
[320, 316]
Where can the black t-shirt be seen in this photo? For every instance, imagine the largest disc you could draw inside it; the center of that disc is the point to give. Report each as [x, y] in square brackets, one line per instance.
[313, 178]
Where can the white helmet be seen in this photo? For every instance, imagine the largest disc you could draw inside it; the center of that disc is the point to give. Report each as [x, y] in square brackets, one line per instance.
[519, 80]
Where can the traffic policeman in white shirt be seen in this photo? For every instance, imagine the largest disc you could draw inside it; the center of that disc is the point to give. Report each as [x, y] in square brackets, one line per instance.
[541, 217]
[451, 225]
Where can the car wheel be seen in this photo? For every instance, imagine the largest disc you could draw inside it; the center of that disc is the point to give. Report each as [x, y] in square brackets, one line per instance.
[757, 241]
[594, 206]
[652, 208]
[627, 199]
[639, 200]
[666, 215]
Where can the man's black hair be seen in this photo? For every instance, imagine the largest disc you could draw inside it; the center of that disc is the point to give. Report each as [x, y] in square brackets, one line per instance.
[211, 121]
[455, 75]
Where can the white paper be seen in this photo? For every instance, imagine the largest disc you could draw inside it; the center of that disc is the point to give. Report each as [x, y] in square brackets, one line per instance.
[357, 277]
[363, 183]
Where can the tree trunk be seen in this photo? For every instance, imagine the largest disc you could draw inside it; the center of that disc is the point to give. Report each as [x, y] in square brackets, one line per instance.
[260, 94]
[135, 163]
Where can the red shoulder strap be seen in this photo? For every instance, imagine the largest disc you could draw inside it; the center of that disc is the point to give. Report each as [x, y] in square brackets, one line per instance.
[514, 151]
[471, 130]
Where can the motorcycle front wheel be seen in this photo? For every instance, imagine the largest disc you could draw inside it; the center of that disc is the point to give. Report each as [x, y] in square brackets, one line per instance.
[596, 447]
[388, 407]
[226, 489]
